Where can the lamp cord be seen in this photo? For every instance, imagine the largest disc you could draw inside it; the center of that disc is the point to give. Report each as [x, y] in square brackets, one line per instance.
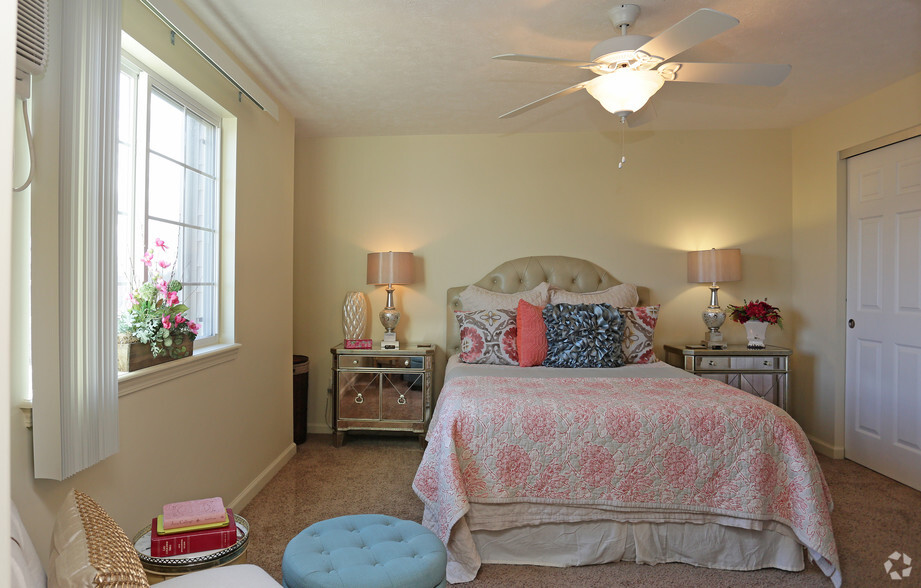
[25, 117]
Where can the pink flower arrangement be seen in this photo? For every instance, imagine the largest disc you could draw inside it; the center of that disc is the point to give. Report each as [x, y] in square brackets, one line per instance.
[756, 310]
[155, 315]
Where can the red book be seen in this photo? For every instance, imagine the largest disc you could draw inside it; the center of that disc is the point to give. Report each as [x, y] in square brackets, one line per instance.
[193, 512]
[192, 541]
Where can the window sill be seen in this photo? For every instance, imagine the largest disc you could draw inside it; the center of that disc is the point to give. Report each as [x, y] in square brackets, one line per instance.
[129, 382]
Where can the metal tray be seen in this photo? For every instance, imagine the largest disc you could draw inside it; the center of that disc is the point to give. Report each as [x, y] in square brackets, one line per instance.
[190, 562]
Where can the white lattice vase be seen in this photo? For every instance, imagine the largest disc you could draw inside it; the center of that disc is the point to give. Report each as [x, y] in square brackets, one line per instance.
[355, 315]
[755, 331]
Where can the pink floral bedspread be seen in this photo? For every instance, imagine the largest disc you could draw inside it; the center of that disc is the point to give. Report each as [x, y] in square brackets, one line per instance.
[682, 445]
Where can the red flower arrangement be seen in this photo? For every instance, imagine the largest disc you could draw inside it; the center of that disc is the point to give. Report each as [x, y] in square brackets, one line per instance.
[756, 310]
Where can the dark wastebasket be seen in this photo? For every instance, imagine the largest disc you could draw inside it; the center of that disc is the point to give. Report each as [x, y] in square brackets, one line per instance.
[301, 377]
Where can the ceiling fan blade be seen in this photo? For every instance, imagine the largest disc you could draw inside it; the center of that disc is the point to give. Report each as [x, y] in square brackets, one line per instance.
[547, 60]
[696, 28]
[544, 100]
[753, 74]
[642, 116]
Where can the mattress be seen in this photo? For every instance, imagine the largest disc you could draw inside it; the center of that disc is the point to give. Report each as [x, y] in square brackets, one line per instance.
[642, 463]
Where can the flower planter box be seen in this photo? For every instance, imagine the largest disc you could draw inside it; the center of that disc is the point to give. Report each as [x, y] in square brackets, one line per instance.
[136, 356]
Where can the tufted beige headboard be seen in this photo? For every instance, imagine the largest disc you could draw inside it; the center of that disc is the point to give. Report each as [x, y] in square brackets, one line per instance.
[518, 275]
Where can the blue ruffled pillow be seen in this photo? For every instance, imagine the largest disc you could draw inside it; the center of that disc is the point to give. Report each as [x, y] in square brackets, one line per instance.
[584, 335]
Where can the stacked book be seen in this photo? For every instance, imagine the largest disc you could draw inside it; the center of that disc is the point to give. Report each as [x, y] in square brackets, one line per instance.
[192, 526]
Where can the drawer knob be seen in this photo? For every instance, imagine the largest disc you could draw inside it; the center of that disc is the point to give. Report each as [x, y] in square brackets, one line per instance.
[711, 363]
[406, 363]
[767, 362]
[359, 399]
[354, 362]
[401, 399]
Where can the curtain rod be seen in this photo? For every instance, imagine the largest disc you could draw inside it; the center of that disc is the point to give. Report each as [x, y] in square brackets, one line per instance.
[190, 32]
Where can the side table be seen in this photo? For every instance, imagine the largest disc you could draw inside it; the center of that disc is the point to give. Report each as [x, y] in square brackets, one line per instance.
[762, 372]
[382, 389]
[162, 568]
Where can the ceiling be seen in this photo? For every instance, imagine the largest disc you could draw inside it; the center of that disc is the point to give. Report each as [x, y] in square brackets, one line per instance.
[423, 67]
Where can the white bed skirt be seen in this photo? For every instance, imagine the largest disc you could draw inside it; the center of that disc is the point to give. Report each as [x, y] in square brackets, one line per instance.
[576, 543]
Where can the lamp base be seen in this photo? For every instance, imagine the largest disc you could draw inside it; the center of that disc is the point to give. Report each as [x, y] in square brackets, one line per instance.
[390, 345]
[713, 340]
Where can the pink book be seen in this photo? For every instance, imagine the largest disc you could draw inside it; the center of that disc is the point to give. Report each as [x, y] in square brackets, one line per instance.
[193, 512]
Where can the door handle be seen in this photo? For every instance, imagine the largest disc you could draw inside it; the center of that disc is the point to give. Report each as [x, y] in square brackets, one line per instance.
[851, 323]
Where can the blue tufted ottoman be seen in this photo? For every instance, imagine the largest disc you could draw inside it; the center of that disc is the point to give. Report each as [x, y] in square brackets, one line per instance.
[364, 551]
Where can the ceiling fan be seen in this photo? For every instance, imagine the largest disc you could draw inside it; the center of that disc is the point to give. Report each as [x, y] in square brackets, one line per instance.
[631, 68]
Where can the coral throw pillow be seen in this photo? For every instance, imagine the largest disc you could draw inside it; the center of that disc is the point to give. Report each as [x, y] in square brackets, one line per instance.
[488, 336]
[532, 334]
[639, 327]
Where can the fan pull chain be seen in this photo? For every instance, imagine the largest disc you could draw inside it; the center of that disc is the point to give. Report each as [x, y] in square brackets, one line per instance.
[623, 156]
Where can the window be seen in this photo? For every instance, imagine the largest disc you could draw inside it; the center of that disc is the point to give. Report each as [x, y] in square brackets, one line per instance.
[169, 189]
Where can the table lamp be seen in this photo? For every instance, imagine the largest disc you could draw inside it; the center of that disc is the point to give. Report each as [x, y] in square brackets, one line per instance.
[714, 265]
[389, 268]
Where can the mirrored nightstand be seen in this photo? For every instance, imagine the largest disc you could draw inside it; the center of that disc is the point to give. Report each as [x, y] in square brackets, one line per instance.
[762, 372]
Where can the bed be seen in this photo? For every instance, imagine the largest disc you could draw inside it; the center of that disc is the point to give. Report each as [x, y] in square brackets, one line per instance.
[571, 466]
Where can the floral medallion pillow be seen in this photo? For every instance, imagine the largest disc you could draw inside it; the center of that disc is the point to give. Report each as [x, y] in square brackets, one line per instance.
[584, 335]
[639, 326]
[488, 336]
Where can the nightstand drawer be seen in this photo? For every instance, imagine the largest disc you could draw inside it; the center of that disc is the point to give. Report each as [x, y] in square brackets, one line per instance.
[757, 363]
[381, 362]
[711, 363]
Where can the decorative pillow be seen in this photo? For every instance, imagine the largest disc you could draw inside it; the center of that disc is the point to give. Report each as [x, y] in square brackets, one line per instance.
[532, 334]
[584, 335]
[617, 296]
[88, 548]
[26, 566]
[476, 298]
[488, 336]
[639, 325]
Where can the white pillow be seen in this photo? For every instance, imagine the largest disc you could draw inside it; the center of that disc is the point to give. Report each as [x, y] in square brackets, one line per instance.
[26, 566]
[616, 296]
[238, 576]
[476, 298]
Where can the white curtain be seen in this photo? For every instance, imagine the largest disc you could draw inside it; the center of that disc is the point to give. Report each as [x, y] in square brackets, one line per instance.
[88, 404]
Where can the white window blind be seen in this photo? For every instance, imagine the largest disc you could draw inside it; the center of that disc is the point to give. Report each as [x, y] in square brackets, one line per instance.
[78, 427]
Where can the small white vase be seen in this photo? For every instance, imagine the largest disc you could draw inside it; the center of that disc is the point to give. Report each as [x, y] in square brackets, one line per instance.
[355, 315]
[755, 331]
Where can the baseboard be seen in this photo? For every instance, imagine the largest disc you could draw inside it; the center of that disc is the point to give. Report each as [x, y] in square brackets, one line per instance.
[253, 488]
[826, 449]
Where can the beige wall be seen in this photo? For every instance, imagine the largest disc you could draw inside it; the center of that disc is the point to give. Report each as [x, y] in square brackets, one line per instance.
[214, 432]
[819, 248]
[466, 203]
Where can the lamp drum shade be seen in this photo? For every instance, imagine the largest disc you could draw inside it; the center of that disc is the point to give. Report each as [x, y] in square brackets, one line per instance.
[715, 265]
[390, 267]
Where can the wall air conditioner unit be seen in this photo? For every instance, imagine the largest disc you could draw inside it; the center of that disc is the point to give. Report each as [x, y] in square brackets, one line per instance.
[31, 43]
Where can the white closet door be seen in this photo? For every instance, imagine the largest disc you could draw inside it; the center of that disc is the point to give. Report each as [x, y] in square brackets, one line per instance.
[883, 381]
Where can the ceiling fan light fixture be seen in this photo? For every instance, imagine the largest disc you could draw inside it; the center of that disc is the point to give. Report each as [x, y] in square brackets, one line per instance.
[624, 91]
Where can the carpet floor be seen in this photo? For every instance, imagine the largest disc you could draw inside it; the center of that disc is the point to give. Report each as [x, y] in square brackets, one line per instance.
[873, 517]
